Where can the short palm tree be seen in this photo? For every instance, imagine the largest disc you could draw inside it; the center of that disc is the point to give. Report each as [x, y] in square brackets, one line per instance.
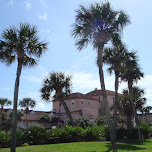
[61, 84]
[147, 110]
[125, 106]
[4, 102]
[26, 103]
[97, 25]
[20, 44]
[131, 74]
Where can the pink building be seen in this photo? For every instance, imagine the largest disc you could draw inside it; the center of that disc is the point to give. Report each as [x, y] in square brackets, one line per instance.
[88, 105]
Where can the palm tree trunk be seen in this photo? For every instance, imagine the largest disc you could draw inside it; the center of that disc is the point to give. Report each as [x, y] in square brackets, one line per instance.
[26, 120]
[59, 114]
[116, 105]
[134, 111]
[67, 110]
[16, 90]
[129, 124]
[106, 105]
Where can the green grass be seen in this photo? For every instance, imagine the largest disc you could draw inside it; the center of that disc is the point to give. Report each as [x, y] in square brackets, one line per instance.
[103, 146]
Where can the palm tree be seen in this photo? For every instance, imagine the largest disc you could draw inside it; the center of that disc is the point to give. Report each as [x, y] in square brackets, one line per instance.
[20, 43]
[115, 57]
[61, 84]
[125, 107]
[4, 102]
[96, 25]
[147, 111]
[132, 73]
[26, 103]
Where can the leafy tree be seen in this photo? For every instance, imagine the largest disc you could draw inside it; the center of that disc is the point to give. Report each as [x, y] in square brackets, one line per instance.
[26, 103]
[81, 122]
[59, 83]
[131, 74]
[97, 25]
[125, 106]
[4, 102]
[147, 110]
[20, 43]
[45, 118]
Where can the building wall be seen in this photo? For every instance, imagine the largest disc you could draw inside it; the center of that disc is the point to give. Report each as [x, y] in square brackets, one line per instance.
[78, 107]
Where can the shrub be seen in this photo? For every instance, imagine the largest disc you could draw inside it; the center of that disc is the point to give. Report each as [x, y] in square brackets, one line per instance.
[81, 122]
[100, 121]
[66, 134]
[5, 139]
[145, 130]
[36, 134]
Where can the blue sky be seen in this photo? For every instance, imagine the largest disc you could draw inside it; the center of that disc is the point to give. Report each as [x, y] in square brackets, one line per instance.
[54, 21]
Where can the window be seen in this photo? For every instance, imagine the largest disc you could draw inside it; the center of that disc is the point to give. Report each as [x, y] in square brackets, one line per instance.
[72, 101]
[99, 97]
[113, 98]
[88, 102]
[81, 101]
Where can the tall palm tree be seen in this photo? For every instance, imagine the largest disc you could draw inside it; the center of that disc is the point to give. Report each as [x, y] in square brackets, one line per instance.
[20, 43]
[96, 25]
[61, 84]
[132, 74]
[26, 103]
[125, 106]
[115, 57]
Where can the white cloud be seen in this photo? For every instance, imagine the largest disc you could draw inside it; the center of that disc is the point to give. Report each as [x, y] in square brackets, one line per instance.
[43, 17]
[28, 6]
[33, 79]
[6, 89]
[11, 2]
[84, 82]
[41, 105]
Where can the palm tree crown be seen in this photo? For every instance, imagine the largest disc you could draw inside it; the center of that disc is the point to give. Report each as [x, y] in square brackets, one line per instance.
[4, 101]
[57, 82]
[21, 43]
[27, 102]
[97, 24]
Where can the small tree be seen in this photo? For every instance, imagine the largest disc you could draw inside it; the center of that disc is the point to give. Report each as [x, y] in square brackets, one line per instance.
[26, 103]
[61, 84]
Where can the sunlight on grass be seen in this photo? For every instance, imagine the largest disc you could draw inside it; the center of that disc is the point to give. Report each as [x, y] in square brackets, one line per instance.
[131, 146]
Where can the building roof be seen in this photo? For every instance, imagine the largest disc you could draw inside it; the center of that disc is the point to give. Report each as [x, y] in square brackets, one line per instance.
[80, 95]
[97, 92]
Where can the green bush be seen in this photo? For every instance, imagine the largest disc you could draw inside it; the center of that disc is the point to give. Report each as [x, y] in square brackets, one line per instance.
[36, 134]
[145, 130]
[100, 121]
[81, 122]
[94, 133]
[66, 134]
[5, 139]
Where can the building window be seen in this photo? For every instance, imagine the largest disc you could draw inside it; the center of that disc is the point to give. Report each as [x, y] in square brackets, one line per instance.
[72, 101]
[113, 98]
[81, 101]
[99, 97]
[80, 113]
[88, 102]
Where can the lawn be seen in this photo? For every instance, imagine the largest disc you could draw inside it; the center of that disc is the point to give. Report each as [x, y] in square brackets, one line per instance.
[103, 146]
